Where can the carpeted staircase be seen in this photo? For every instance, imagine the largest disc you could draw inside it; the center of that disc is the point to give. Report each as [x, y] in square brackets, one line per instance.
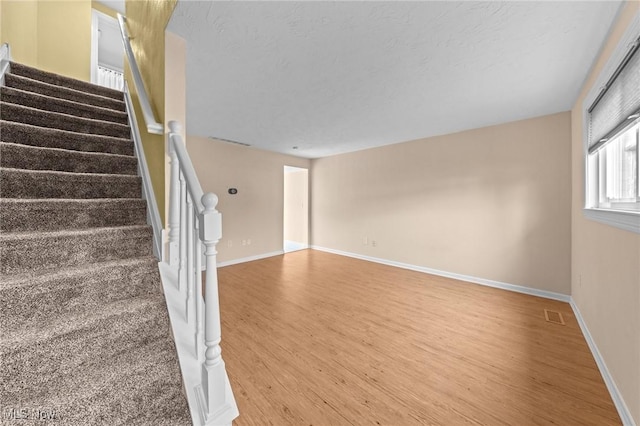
[84, 330]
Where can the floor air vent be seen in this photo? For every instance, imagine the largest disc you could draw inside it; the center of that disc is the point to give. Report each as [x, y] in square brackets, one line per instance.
[553, 316]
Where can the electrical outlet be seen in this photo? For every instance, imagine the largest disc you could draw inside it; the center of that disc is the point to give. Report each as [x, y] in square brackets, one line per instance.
[244, 242]
[229, 243]
[249, 242]
[374, 243]
[365, 241]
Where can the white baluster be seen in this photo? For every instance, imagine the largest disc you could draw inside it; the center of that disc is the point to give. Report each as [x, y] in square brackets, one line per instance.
[174, 198]
[212, 393]
[188, 308]
[199, 336]
[183, 237]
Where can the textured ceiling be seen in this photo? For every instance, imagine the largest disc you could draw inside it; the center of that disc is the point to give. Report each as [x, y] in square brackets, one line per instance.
[333, 77]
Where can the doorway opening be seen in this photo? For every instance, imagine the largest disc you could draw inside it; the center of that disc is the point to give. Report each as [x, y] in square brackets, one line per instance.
[296, 209]
[107, 54]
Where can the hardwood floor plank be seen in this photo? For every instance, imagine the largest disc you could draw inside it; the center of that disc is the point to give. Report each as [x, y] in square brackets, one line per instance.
[312, 338]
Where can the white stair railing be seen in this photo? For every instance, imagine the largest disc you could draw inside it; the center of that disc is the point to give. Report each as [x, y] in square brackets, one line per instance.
[153, 126]
[194, 222]
[5, 61]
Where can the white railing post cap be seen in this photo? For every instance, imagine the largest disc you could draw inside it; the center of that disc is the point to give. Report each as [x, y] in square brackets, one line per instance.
[175, 126]
[209, 201]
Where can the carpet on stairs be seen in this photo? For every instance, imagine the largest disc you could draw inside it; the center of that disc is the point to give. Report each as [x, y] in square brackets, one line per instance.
[86, 338]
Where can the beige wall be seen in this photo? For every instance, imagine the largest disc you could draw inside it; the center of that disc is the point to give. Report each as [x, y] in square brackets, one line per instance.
[147, 20]
[296, 206]
[606, 262]
[256, 211]
[492, 203]
[52, 35]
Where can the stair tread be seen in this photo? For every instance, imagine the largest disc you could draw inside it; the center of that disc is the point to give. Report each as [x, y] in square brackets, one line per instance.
[89, 154]
[57, 159]
[17, 68]
[107, 230]
[73, 201]
[15, 339]
[71, 122]
[28, 279]
[25, 131]
[63, 92]
[78, 174]
[48, 104]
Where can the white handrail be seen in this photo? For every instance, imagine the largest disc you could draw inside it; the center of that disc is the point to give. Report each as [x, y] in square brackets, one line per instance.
[5, 61]
[153, 126]
[194, 222]
[193, 184]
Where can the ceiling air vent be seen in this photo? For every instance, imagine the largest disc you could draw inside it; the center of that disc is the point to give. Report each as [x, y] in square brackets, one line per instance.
[229, 141]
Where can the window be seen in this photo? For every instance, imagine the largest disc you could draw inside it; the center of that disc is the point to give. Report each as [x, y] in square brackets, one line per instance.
[617, 164]
[612, 145]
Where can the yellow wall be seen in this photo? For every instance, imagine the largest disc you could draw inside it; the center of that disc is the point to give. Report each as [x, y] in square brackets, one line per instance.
[147, 21]
[490, 203]
[52, 35]
[104, 9]
[19, 29]
[606, 261]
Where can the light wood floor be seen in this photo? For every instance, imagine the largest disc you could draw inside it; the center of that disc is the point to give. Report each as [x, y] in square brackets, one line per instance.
[312, 338]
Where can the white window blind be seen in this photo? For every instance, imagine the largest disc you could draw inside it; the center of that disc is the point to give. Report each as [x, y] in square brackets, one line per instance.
[618, 103]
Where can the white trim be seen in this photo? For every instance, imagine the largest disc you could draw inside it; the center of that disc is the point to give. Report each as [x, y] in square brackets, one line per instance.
[190, 365]
[482, 281]
[94, 46]
[250, 258]
[623, 410]
[629, 221]
[290, 246]
[153, 215]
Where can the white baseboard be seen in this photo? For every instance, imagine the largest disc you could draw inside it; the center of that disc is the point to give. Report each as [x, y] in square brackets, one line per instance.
[623, 410]
[482, 281]
[294, 246]
[250, 258]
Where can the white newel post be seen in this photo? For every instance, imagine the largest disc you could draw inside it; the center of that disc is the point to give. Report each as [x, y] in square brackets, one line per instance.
[174, 200]
[213, 398]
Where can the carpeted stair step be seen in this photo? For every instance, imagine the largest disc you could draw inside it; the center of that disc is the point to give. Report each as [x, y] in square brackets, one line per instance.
[59, 80]
[55, 120]
[22, 215]
[25, 252]
[62, 106]
[26, 134]
[42, 88]
[16, 183]
[16, 156]
[116, 365]
[29, 300]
